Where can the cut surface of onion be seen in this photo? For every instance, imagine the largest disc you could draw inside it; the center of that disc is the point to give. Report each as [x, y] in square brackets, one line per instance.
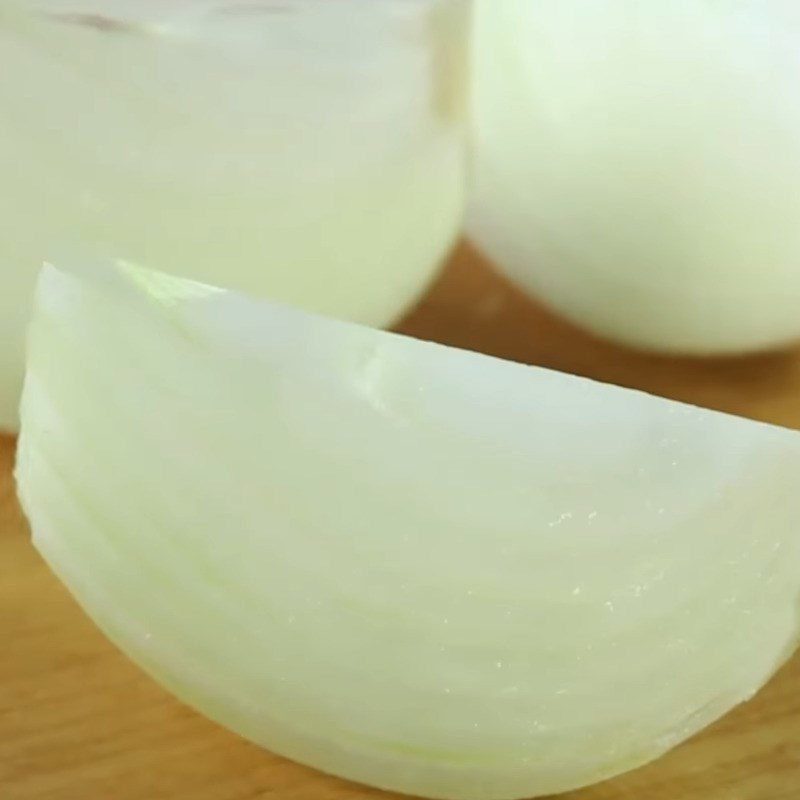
[412, 566]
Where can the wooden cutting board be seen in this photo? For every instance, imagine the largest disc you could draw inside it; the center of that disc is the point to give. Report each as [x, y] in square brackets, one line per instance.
[79, 722]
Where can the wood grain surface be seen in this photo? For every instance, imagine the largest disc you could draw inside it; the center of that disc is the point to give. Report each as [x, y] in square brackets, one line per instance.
[80, 722]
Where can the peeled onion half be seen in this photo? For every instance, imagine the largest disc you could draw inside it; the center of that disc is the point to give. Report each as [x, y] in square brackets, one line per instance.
[412, 566]
[637, 165]
[307, 151]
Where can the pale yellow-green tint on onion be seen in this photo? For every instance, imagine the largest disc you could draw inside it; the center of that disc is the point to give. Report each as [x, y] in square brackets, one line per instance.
[412, 566]
[637, 164]
[313, 154]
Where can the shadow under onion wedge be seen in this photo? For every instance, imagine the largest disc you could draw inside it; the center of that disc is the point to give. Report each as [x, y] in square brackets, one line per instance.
[412, 566]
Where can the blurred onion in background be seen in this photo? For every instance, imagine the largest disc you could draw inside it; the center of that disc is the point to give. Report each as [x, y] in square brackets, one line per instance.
[309, 151]
[638, 165]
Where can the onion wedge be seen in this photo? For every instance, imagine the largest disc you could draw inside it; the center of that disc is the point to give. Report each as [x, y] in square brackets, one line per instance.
[412, 566]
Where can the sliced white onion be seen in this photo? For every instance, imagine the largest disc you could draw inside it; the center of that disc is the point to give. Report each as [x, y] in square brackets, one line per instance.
[637, 165]
[417, 567]
[314, 155]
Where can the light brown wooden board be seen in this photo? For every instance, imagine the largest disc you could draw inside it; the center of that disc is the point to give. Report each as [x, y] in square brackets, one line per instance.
[79, 722]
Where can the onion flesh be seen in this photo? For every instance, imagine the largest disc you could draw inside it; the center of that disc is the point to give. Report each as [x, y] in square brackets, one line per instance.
[637, 164]
[421, 568]
[314, 155]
